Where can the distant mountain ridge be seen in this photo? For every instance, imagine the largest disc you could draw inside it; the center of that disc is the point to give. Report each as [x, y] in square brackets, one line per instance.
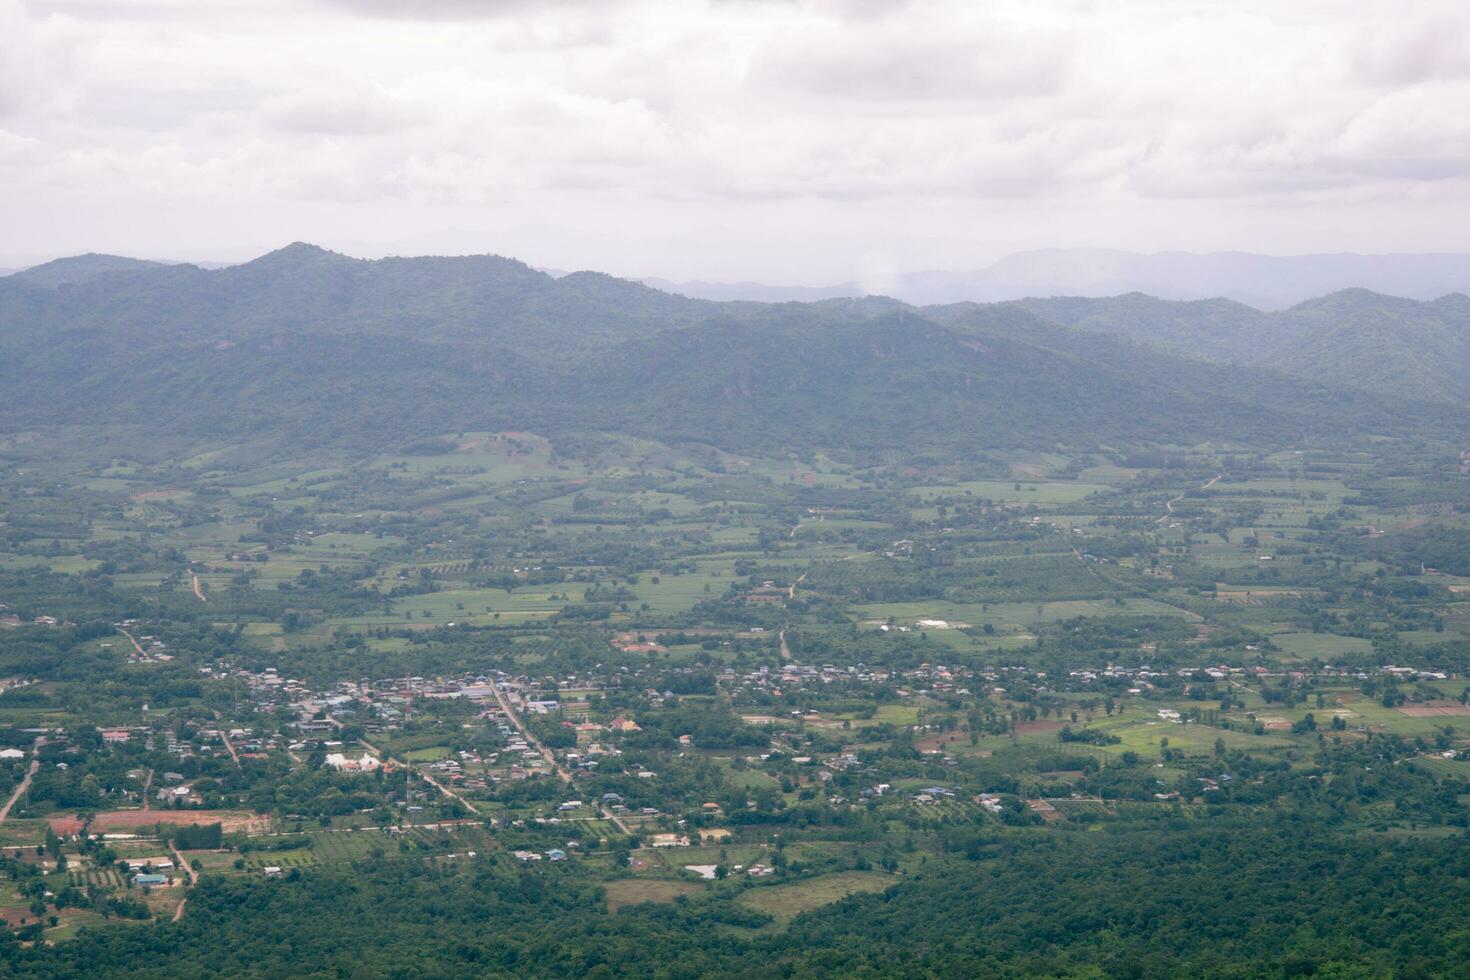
[303, 346]
[755, 292]
[1266, 282]
[79, 268]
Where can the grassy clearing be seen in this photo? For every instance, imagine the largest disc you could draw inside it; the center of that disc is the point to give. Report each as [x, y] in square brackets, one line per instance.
[1006, 491]
[636, 891]
[786, 902]
[1325, 646]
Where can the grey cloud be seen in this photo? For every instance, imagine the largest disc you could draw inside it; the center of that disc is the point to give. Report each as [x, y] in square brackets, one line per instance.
[452, 9]
[878, 65]
[344, 111]
[1432, 48]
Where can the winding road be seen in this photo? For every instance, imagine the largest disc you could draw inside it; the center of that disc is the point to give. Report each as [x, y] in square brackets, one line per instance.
[1169, 504]
[192, 875]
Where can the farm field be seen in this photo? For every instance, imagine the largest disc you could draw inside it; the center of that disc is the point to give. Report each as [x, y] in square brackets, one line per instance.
[855, 677]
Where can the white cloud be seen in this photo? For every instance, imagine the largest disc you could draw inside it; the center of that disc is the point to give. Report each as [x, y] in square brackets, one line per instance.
[796, 137]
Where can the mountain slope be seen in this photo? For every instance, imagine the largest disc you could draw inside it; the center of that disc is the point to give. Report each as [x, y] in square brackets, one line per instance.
[1378, 343]
[1215, 329]
[80, 268]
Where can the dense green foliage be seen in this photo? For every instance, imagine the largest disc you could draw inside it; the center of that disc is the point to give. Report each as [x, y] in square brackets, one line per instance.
[1164, 900]
[1351, 339]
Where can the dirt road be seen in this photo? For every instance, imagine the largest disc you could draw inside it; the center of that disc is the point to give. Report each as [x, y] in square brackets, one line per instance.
[136, 645]
[192, 875]
[791, 592]
[23, 785]
[1169, 504]
[198, 589]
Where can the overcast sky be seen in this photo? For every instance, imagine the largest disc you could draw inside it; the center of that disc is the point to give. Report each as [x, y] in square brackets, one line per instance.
[779, 140]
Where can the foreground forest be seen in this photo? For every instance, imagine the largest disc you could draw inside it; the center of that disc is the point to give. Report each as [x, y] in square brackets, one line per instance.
[1236, 901]
[439, 617]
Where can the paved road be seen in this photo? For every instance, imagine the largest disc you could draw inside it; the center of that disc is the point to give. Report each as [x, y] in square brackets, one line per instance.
[225, 737]
[421, 774]
[550, 758]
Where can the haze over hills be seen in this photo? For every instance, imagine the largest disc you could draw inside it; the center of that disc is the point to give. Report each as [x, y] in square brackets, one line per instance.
[79, 268]
[310, 345]
[755, 291]
[1352, 338]
[1266, 282]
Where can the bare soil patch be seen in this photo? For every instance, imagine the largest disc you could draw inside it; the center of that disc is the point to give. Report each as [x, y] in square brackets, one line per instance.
[124, 820]
[152, 494]
[1434, 709]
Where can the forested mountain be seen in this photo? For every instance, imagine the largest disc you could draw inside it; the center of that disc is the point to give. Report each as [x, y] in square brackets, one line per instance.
[305, 288]
[1378, 343]
[1350, 339]
[308, 345]
[1215, 329]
